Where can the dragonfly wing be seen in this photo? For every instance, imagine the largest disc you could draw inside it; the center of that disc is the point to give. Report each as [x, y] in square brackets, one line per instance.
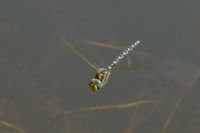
[109, 46]
[103, 45]
[78, 53]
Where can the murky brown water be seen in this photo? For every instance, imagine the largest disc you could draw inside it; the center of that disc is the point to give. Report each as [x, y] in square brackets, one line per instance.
[44, 85]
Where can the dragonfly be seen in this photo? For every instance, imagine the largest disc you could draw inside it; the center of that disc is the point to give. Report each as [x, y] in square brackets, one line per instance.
[102, 74]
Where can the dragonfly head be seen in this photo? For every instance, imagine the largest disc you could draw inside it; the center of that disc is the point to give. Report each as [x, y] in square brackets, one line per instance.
[95, 84]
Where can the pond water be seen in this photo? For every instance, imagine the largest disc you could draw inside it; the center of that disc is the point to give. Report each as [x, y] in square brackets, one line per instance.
[44, 84]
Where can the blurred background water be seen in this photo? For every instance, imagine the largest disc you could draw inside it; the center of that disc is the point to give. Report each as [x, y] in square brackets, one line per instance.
[41, 79]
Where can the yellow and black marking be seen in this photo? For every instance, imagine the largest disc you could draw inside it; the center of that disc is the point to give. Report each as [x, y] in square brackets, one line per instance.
[94, 87]
[100, 79]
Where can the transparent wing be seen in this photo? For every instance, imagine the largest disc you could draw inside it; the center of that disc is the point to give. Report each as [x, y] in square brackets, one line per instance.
[100, 44]
[78, 53]
[110, 46]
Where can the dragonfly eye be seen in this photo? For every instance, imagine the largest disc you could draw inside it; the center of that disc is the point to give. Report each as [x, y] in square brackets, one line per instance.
[95, 85]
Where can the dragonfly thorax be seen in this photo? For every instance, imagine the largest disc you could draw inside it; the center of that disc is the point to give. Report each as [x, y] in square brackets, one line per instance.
[100, 79]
